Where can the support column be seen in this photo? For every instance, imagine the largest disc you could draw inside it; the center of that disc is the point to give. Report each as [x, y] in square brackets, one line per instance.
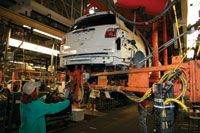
[7, 43]
[1, 75]
[82, 7]
[72, 9]
[155, 75]
[165, 54]
[13, 78]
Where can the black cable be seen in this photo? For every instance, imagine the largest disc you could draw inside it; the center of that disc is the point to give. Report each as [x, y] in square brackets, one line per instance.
[164, 46]
[141, 23]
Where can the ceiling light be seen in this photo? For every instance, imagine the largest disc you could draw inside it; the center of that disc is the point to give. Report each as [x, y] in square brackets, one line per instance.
[16, 62]
[47, 34]
[44, 33]
[33, 47]
[91, 11]
[28, 27]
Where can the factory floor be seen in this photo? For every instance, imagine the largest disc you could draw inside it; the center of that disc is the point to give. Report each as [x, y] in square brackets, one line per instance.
[118, 120]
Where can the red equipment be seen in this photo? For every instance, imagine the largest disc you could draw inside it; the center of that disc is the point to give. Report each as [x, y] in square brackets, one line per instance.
[76, 77]
[139, 80]
[151, 6]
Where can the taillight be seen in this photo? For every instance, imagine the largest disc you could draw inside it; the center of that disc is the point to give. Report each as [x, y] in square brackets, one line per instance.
[63, 41]
[110, 33]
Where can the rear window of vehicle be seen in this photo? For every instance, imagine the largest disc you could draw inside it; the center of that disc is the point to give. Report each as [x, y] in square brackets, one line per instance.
[95, 21]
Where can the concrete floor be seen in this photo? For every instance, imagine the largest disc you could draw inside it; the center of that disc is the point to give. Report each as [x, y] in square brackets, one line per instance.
[118, 120]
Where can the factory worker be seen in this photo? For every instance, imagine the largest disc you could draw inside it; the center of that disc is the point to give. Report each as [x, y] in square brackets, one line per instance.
[92, 99]
[33, 110]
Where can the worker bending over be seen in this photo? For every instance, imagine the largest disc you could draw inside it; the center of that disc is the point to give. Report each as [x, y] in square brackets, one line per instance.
[33, 110]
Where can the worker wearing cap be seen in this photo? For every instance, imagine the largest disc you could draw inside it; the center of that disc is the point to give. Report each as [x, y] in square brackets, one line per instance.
[33, 110]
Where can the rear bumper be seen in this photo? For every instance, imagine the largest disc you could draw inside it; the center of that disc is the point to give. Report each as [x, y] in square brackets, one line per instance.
[93, 59]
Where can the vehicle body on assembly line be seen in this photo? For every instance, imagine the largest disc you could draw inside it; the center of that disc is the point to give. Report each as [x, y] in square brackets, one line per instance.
[101, 39]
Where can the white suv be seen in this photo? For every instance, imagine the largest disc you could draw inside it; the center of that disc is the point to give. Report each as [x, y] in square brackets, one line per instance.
[100, 38]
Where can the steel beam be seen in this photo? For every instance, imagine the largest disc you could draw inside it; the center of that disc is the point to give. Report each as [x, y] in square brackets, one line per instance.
[139, 79]
[55, 16]
[117, 88]
[141, 70]
[29, 22]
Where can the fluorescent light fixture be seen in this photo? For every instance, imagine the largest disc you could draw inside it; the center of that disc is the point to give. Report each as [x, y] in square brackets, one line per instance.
[47, 34]
[33, 47]
[19, 62]
[44, 33]
[28, 27]
[16, 62]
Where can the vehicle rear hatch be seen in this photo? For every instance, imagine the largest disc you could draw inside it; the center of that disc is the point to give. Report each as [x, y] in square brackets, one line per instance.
[88, 35]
